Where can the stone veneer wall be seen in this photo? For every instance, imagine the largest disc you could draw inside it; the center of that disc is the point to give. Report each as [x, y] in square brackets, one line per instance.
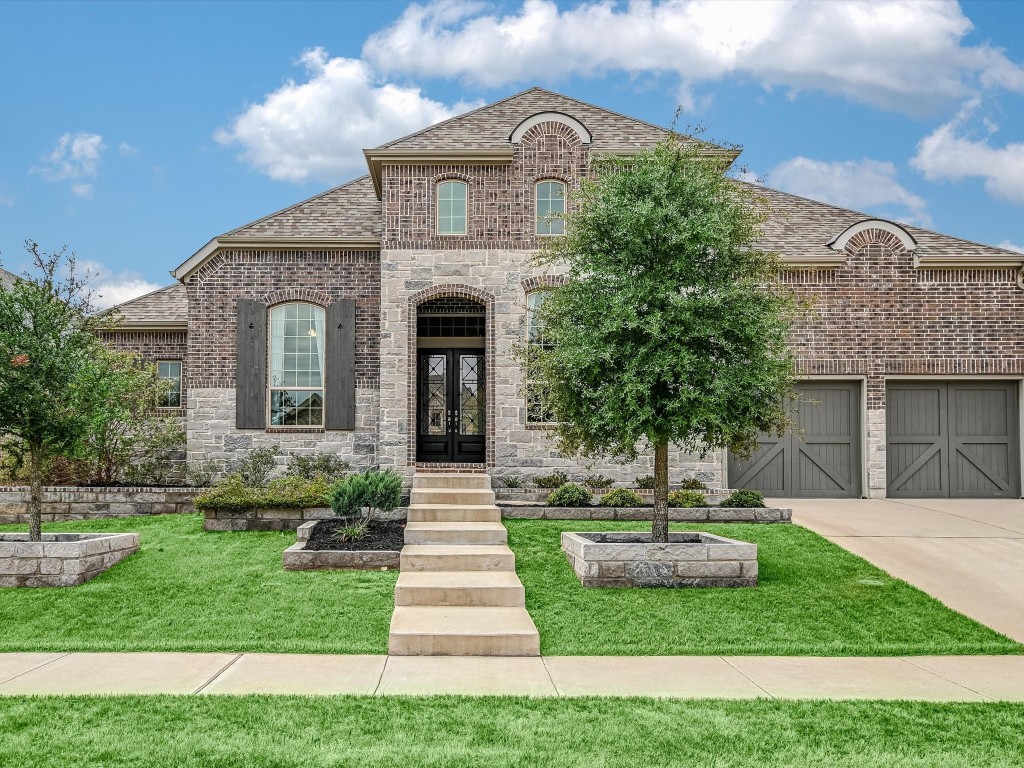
[75, 503]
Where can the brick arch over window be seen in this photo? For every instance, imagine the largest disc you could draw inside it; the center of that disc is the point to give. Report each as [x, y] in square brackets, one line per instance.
[309, 295]
[450, 291]
[548, 123]
[542, 281]
[874, 232]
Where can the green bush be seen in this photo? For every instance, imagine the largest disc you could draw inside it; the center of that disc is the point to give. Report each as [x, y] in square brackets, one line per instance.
[569, 495]
[744, 498]
[200, 474]
[622, 497]
[255, 466]
[692, 484]
[317, 465]
[598, 481]
[644, 481]
[554, 480]
[687, 498]
[373, 490]
[288, 492]
[512, 481]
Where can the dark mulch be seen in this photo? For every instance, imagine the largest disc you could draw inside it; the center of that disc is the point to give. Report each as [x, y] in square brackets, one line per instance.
[381, 535]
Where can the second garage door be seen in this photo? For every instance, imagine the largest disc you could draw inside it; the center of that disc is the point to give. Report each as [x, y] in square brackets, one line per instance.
[956, 439]
[822, 459]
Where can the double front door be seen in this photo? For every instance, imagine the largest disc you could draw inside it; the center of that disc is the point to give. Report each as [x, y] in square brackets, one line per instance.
[451, 408]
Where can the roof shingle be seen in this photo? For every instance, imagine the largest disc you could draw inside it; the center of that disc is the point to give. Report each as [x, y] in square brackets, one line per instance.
[166, 306]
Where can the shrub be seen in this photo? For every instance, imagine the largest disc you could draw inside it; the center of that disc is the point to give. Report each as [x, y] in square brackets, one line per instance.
[200, 474]
[569, 495]
[692, 484]
[255, 467]
[622, 497]
[512, 481]
[598, 481]
[289, 492]
[744, 498]
[645, 481]
[554, 480]
[376, 491]
[687, 498]
[317, 465]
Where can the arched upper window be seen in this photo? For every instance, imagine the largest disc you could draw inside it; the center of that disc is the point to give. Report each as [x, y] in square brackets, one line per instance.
[297, 365]
[451, 207]
[550, 196]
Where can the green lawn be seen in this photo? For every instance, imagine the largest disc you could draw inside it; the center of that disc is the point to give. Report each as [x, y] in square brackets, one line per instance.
[499, 732]
[814, 598]
[187, 590]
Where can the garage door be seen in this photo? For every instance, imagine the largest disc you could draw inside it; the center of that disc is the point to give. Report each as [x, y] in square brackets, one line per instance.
[822, 459]
[952, 439]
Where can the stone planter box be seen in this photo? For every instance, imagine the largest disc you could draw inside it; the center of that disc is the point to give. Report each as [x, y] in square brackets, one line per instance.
[274, 518]
[631, 559]
[675, 514]
[541, 495]
[85, 503]
[296, 558]
[61, 559]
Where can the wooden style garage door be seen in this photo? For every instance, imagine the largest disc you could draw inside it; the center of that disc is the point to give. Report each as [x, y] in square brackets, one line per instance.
[821, 459]
[956, 439]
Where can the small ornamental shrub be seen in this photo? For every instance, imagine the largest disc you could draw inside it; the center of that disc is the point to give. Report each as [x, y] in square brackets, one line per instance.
[554, 480]
[645, 482]
[200, 474]
[317, 465]
[512, 481]
[255, 467]
[622, 497]
[692, 484]
[360, 497]
[598, 481]
[231, 494]
[687, 498]
[744, 498]
[569, 495]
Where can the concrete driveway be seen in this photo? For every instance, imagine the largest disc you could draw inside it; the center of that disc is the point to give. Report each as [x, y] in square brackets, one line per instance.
[968, 553]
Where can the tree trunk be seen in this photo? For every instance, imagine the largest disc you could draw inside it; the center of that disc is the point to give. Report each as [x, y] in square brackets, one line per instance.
[35, 502]
[659, 528]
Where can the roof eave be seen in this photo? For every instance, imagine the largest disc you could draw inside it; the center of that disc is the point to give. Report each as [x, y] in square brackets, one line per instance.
[204, 254]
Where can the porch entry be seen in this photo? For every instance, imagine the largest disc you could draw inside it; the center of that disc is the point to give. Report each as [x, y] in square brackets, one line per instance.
[451, 370]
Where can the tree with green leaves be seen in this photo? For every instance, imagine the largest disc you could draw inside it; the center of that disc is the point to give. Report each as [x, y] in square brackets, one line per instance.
[671, 325]
[49, 377]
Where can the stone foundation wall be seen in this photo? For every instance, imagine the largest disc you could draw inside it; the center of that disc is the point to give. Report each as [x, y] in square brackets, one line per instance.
[72, 503]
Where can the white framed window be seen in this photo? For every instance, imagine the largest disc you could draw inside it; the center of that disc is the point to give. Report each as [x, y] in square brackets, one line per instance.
[550, 204]
[451, 207]
[538, 409]
[169, 370]
[296, 365]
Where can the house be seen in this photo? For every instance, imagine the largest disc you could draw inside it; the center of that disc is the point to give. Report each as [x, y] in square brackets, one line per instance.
[377, 321]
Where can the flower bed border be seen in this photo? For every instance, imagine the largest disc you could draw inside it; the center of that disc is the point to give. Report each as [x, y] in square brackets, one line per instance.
[298, 558]
[57, 562]
[675, 514]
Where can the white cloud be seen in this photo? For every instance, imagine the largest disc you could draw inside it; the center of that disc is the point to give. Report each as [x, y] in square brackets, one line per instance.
[318, 128]
[110, 288]
[127, 150]
[82, 190]
[901, 55]
[951, 153]
[6, 200]
[1011, 246]
[865, 185]
[74, 158]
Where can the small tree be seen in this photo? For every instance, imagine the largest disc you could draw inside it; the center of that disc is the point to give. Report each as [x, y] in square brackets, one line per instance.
[671, 326]
[48, 374]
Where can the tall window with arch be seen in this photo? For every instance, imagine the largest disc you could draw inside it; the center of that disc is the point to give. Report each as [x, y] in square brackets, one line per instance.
[452, 197]
[538, 409]
[297, 365]
[550, 197]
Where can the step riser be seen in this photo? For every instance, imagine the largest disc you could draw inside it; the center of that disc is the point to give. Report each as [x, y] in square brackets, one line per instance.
[480, 597]
[460, 645]
[454, 515]
[455, 537]
[468, 562]
[451, 496]
[443, 482]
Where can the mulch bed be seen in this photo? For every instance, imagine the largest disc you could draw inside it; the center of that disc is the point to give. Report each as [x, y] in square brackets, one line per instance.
[381, 535]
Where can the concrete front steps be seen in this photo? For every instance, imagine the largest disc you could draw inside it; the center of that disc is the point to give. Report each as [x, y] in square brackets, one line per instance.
[458, 593]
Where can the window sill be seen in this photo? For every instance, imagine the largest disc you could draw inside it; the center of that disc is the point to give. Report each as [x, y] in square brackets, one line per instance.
[300, 430]
[541, 425]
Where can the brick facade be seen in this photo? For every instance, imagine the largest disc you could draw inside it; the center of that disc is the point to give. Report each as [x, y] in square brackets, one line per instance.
[152, 346]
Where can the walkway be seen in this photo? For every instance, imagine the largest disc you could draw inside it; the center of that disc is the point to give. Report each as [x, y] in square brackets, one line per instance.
[931, 678]
[968, 553]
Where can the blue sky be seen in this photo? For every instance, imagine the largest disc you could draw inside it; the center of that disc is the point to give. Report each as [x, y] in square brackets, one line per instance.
[135, 132]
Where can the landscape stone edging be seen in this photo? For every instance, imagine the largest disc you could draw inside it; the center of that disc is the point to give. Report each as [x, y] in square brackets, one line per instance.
[57, 562]
[675, 514]
[297, 558]
[613, 559]
[88, 502]
[274, 518]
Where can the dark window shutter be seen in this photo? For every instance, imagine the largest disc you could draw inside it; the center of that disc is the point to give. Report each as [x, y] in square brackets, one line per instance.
[251, 372]
[340, 383]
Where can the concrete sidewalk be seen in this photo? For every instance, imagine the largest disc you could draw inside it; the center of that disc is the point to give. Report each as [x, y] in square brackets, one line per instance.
[968, 553]
[930, 678]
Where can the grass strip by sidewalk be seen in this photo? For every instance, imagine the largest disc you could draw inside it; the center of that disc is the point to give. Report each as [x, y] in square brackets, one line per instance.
[189, 732]
[814, 598]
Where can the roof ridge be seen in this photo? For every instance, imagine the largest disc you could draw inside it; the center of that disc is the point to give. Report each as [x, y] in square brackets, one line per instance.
[295, 205]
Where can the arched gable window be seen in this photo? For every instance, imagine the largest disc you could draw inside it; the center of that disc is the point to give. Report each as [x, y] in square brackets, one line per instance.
[451, 207]
[550, 203]
[297, 365]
